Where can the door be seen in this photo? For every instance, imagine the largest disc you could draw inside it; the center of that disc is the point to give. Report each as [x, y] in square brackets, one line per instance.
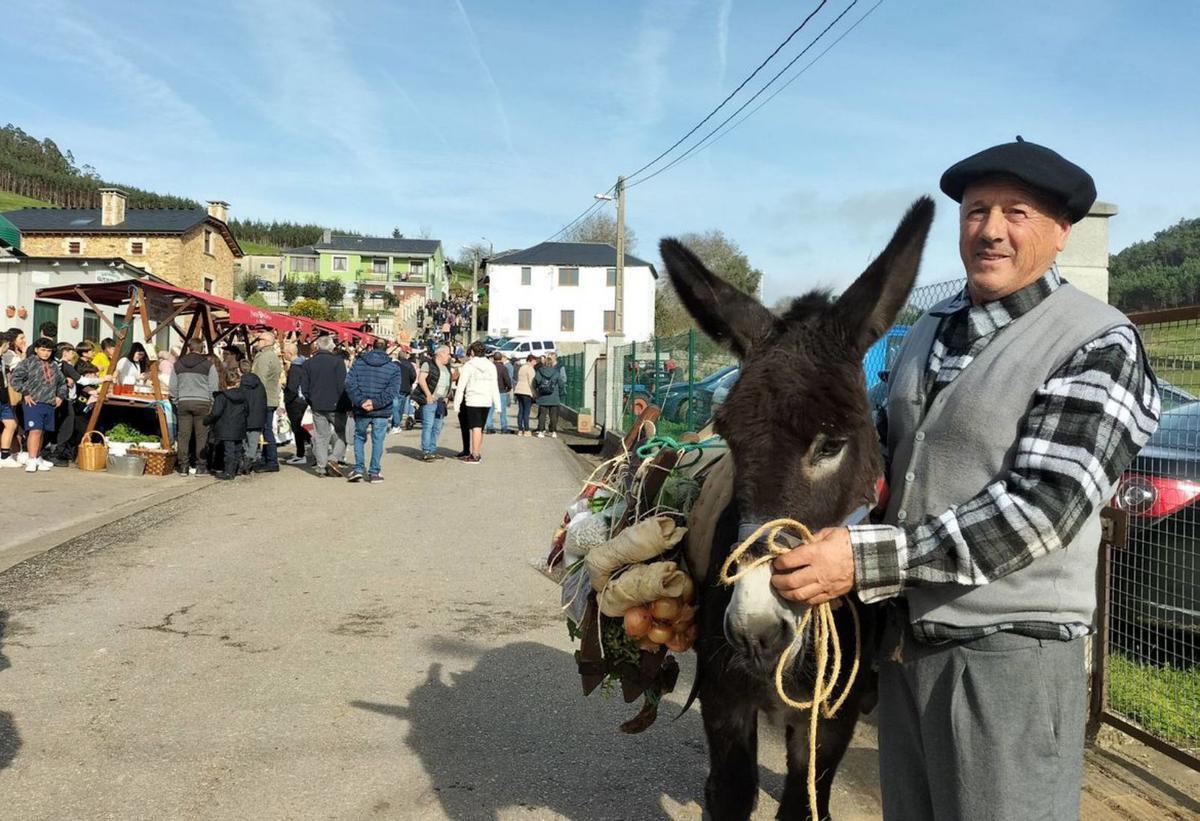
[43, 312]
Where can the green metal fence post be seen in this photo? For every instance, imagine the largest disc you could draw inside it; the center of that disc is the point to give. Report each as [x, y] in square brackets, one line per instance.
[691, 411]
[657, 358]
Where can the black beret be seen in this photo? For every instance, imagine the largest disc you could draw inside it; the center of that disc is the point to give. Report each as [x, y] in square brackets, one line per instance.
[1033, 164]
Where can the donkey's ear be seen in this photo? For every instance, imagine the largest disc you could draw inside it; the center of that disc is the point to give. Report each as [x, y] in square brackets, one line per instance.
[726, 314]
[869, 306]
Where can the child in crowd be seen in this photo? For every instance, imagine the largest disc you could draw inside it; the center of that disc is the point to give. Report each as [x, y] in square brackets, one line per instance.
[256, 412]
[43, 389]
[227, 421]
[8, 414]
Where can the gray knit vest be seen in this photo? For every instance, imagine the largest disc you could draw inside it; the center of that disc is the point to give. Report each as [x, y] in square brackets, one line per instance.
[967, 439]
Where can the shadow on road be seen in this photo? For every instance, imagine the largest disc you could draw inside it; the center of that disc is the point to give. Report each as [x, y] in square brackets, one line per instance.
[516, 732]
[10, 739]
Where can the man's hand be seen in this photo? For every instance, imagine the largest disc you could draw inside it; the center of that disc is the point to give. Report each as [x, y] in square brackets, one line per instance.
[29, 401]
[57, 401]
[368, 405]
[816, 572]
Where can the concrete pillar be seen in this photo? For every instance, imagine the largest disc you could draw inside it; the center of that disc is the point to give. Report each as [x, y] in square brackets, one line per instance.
[615, 381]
[591, 352]
[1084, 262]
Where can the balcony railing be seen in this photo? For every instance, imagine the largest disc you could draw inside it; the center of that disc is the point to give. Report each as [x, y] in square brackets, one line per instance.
[373, 276]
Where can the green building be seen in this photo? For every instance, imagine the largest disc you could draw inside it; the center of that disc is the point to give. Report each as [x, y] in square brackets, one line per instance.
[406, 267]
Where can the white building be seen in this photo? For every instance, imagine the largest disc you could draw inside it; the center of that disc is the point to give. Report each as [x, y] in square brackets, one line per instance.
[566, 291]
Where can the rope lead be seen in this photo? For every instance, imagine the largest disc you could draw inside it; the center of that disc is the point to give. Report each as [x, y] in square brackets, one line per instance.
[825, 638]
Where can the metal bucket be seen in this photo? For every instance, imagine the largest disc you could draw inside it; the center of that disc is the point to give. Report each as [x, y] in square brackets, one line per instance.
[126, 465]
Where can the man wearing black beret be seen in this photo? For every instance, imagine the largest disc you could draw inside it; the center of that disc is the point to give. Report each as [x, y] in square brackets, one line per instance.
[1013, 409]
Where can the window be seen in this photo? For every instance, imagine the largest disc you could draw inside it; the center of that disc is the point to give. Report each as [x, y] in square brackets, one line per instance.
[91, 325]
[527, 276]
[208, 235]
[611, 280]
[568, 321]
[525, 319]
[303, 265]
[379, 265]
[339, 263]
[137, 247]
[610, 321]
[416, 267]
[568, 276]
[270, 266]
[535, 347]
[209, 282]
[75, 247]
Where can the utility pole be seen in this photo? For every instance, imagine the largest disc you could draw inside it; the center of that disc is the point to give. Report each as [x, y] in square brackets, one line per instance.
[619, 312]
[474, 300]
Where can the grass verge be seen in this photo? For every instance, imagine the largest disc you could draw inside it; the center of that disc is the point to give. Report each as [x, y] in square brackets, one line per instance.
[1163, 700]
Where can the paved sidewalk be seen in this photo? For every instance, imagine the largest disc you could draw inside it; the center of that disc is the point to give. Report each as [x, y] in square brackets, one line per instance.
[45, 509]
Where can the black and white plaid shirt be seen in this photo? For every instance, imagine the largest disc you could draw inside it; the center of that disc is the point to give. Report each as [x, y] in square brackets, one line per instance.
[1104, 395]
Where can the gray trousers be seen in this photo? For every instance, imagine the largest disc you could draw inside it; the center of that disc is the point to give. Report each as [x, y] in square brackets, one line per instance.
[986, 729]
[329, 427]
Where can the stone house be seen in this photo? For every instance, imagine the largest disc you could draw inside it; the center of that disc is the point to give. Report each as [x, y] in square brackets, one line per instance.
[188, 247]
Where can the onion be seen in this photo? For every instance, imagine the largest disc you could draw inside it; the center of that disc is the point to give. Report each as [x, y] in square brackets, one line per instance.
[665, 609]
[678, 643]
[660, 633]
[637, 622]
[687, 615]
[648, 646]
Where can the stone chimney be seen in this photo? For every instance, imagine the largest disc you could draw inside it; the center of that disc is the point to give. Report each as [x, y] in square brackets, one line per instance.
[218, 209]
[326, 236]
[112, 206]
[1084, 262]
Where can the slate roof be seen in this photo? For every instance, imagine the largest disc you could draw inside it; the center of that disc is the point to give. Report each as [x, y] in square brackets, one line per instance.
[583, 254]
[370, 245]
[302, 251]
[87, 220]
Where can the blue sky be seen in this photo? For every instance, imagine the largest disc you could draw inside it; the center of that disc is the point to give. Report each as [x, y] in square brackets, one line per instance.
[501, 119]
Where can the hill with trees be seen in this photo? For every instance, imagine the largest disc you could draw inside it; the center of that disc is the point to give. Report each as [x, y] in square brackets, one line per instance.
[38, 172]
[1163, 272]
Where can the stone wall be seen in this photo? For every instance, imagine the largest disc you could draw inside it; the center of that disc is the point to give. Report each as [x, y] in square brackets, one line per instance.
[179, 261]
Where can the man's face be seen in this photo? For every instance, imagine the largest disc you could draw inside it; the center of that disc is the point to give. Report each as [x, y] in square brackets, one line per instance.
[442, 357]
[1009, 235]
[109, 350]
[43, 353]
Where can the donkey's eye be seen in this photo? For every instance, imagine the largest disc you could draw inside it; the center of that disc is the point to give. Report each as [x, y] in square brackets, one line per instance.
[831, 446]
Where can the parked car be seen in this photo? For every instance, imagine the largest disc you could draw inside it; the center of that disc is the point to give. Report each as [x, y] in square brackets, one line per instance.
[491, 343]
[707, 395]
[265, 284]
[1172, 396]
[882, 354]
[1156, 577]
[520, 347]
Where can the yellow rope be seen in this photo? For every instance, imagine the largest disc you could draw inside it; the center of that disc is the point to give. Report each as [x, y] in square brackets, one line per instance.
[825, 638]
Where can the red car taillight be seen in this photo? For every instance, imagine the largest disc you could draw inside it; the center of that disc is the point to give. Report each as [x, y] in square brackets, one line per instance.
[1153, 497]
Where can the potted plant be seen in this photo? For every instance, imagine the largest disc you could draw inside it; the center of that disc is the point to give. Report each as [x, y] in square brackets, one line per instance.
[121, 437]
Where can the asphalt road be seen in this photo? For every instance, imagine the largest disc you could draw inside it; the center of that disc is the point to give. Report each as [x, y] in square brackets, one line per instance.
[293, 647]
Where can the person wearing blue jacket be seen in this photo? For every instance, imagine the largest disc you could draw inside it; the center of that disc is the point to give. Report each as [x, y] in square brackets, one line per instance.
[372, 383]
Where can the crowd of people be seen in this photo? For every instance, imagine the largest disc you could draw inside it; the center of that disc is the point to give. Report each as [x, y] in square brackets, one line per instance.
[336, 404]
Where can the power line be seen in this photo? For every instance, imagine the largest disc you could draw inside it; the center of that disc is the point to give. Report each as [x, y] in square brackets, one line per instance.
[706, 142]
[586, 212]
[696, 147]
[733, 93]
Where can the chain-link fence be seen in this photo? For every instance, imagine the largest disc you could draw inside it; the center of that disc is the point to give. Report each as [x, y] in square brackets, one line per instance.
[882, 354]
[687, 376]
[1153, 608]
[573, 365]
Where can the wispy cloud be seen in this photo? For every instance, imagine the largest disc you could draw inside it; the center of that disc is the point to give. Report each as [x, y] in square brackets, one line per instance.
[81, 41]
[489, 80]
[724, 12]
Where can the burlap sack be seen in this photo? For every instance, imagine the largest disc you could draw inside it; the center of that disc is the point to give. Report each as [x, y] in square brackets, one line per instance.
[642, 584]
[637, 543]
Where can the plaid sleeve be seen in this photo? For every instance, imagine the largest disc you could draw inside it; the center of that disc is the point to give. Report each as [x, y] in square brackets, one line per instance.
[1086, 424]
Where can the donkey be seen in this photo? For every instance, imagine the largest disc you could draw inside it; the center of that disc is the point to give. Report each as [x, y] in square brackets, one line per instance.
[803, 445]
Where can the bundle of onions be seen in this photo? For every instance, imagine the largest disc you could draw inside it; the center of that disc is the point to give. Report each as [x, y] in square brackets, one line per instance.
[665, 621]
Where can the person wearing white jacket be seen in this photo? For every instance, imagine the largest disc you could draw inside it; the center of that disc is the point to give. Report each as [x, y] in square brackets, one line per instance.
[477, 392]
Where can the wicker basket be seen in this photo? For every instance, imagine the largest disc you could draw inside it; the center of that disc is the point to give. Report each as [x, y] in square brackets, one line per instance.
[159, 462]
[93, 455]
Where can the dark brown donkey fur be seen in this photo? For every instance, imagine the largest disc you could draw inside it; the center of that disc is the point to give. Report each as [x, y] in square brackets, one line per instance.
[799, 430]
